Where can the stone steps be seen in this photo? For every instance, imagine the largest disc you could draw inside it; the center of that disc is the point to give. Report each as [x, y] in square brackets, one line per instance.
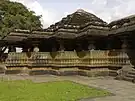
[132, 72]
[130, 76]
[128, 79]
[113, 73]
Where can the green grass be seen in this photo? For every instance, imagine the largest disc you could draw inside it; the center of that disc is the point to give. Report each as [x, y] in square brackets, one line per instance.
[50, 91]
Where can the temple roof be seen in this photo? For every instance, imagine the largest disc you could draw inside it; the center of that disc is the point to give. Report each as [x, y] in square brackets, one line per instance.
[76, 25]
[122, 25]
[123, 21]
[77, 20]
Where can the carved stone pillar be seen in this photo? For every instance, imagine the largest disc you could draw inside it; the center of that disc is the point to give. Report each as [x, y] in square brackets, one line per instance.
[79, 47]
[91, 45]
[12, 49]
[54, 48]
[61, 45]
[124, 45]
[109, 44]
[25, 49]
[36, 48]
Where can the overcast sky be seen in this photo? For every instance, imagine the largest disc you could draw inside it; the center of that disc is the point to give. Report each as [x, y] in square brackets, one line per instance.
[53, 10]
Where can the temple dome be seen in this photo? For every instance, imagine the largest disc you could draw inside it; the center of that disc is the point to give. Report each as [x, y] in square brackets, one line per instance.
[77, 20]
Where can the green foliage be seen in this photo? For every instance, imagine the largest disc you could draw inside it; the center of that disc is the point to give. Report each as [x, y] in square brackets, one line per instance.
[50, 91]
[16, 16]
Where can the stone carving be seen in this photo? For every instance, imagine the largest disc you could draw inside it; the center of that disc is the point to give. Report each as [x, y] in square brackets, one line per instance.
[36, 49]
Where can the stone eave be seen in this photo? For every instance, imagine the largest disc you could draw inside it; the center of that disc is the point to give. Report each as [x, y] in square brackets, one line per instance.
[68, 30]
[19, 34]
[41, 35]
[21, 31]
[32, 36]
[14, 38]
[42, 32]
[94, 31]
[122, 30]
[65, 35]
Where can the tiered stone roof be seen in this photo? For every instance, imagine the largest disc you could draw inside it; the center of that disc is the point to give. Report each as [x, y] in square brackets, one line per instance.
[126, 24]
[78, 20]
[77, 24]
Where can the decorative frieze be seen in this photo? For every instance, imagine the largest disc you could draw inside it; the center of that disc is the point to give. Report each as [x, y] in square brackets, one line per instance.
[67, 59]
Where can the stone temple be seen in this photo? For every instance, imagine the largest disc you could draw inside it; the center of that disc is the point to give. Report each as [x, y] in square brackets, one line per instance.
[79, 44]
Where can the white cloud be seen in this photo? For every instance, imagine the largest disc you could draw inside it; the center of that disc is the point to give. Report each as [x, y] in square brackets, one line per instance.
[118, 9]
[99, 2]
[126, 8]
[47, 16]
[108, 10]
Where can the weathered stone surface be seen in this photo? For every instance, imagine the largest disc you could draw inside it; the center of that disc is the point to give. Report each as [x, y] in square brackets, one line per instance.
[126, 73]
[3, 68]
[76, 22]
[13, 72]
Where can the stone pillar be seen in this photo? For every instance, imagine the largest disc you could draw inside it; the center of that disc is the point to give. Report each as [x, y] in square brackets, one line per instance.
[108, 44]
[25, 49]
[12, 49]
[61, 45]
[54, 49]
[126, 52]
[79, 47]
[124, 45]
[36, 49]
[91, 45]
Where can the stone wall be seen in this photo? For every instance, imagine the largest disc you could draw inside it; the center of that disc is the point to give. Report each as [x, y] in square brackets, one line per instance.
[53, 63]
[68, 59]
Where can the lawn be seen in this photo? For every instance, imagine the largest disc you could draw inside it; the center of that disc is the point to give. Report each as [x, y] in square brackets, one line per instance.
[50, 91]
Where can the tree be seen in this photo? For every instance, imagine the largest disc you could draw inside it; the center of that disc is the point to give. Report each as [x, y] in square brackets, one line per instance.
[16, 16]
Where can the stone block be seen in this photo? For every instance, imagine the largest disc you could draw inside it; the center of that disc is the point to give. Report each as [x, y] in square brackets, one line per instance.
[113, 73]
[38, 72]
[82, 73]
[13, 72]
